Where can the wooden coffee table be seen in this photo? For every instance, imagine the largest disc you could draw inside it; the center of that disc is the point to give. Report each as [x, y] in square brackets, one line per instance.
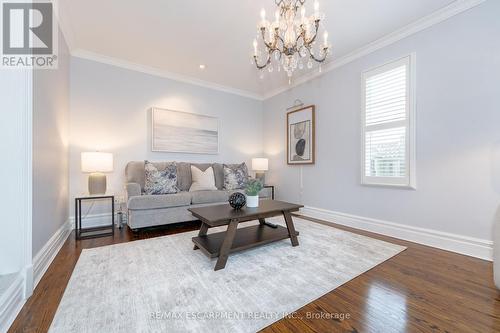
[220, 244]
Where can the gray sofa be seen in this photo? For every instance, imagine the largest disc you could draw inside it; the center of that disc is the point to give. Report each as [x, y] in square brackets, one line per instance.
[152, 210]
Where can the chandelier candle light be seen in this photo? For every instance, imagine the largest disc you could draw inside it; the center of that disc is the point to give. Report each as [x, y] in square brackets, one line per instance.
[291, 39]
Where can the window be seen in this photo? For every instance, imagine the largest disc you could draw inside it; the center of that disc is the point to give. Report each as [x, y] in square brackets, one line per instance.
[388, 125]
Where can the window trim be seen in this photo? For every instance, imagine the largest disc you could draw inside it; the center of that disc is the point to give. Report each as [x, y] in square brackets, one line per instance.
[410, 182]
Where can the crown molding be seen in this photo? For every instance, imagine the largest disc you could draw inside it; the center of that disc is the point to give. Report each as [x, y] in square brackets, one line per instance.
[455, 8]
[79, 53]
[64, 25]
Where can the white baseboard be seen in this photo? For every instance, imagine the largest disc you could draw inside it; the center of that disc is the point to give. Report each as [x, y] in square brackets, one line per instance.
[44, 257]
[11, 302]
[469, 246]
[28, 281]
[95, 220]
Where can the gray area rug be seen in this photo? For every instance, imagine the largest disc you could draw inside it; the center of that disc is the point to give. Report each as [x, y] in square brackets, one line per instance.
[163, 285]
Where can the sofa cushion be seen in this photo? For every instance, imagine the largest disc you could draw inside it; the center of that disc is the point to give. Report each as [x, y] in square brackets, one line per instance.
[135, 173]
[160, 181]
[203, 197]
[219, 175]
[183, 176]
[235, 176]
[160, 201]
[202, 180]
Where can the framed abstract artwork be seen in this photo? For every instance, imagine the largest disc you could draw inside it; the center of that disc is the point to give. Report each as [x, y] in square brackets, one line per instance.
[300, 136]
[182, 132]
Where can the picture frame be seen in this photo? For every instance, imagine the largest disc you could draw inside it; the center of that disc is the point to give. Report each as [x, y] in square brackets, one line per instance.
[301, 136]
[183, 132]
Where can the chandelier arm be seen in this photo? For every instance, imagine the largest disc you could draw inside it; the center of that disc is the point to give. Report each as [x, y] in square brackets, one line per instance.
[320, 60]
[279, 2]
[313, 38]
[303, 47]
[302, 34]
[276, 38]
[282, 42]
[270, 44]
[298, 3]
[268, 61]
[271, 55]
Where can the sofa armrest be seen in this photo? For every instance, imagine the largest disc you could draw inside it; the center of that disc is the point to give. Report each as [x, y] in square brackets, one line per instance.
[132, 190]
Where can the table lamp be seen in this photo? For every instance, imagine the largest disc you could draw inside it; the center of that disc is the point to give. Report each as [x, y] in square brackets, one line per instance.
[96, 163]
[260, 166]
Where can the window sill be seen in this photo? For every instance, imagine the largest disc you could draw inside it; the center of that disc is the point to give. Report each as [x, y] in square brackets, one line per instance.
[411, 187]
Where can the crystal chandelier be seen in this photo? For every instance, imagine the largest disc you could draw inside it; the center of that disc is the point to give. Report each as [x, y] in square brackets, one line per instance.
[291, 39]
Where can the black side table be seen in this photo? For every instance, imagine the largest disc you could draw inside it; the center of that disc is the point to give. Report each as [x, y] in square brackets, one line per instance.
[85, 233]
[272, 190]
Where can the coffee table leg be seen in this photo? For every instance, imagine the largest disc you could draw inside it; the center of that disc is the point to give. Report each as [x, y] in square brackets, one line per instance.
[226, 245]
[202, 232]
[291, 228]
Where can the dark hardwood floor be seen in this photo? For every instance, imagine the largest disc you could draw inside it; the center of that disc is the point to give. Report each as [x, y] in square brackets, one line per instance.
[420, 290]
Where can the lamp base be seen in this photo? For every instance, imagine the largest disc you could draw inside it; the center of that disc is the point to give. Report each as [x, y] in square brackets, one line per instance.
[97, 183]
[261, 176]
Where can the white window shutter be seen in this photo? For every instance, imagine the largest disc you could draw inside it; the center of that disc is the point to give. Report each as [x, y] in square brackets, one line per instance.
[387, 114]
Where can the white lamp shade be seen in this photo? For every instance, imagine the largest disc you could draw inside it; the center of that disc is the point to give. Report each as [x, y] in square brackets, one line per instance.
[97, 162]
[260, 164]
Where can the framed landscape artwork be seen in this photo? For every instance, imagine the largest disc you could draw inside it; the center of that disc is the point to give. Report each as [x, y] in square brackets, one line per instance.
[300, 136]
[182, 132]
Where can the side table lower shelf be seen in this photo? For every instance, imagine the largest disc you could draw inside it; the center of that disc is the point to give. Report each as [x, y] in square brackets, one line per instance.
[95, 232]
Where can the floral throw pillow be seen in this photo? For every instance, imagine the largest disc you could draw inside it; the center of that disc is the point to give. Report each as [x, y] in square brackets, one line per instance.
[235, 176]
[160, 181]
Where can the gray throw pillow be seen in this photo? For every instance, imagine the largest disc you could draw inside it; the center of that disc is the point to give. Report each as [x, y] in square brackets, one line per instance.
[160, 181]
[235, 176]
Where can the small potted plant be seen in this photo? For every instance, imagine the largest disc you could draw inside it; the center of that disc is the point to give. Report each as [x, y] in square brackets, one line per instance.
[252, 191]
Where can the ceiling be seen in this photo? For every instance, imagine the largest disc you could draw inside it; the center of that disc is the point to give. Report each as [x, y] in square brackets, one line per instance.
[176, 36]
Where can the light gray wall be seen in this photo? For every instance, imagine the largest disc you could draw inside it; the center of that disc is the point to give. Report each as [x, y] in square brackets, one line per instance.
[50, 149]
[458, 132]
[110, 112]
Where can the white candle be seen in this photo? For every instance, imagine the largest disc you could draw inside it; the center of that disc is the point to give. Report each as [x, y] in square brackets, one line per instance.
[325, 38]
[316, 7]
[255, 47]
[263, 18]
